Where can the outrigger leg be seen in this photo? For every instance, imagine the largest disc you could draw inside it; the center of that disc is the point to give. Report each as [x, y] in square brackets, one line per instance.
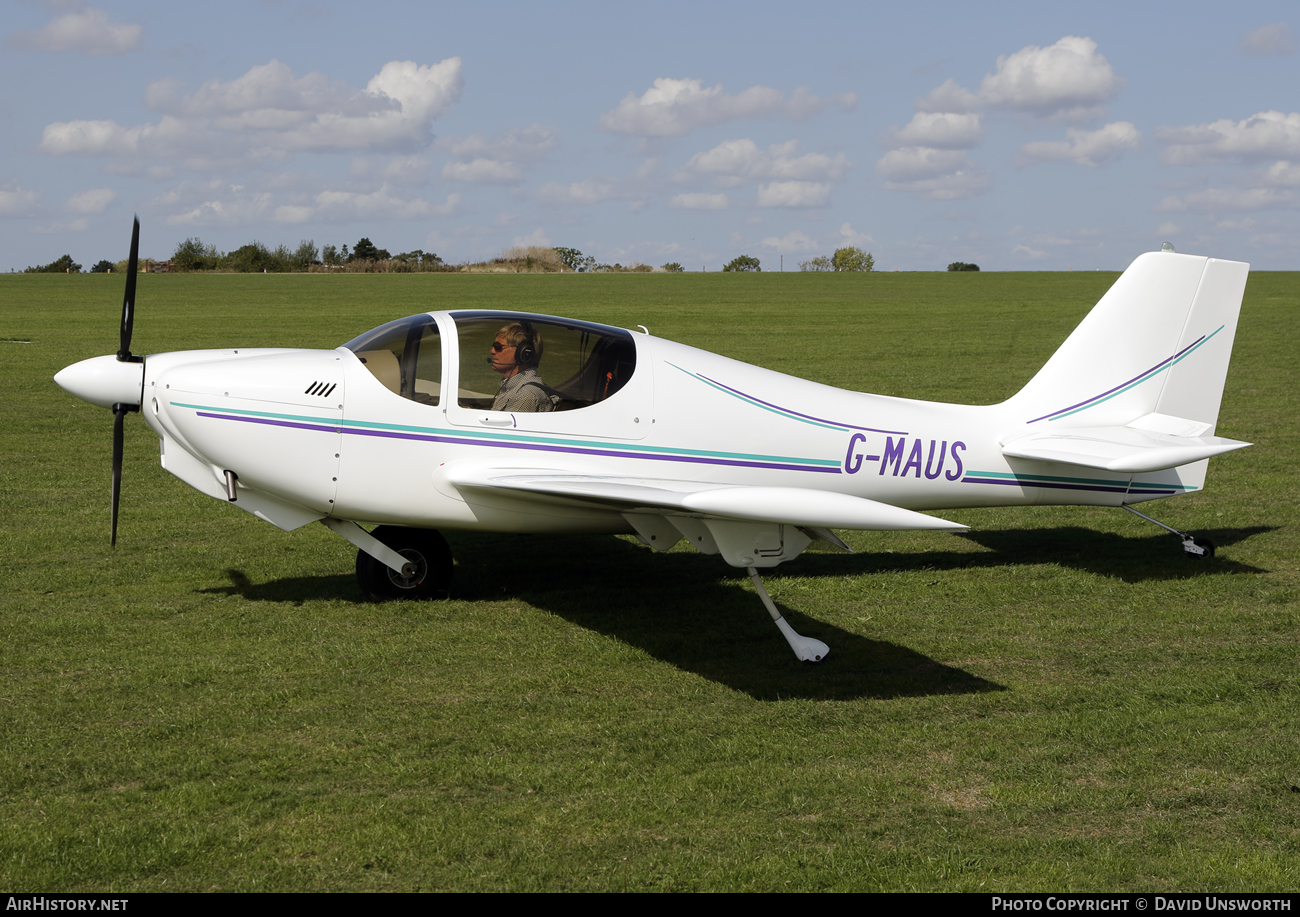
[806, 648]
[1195, 547]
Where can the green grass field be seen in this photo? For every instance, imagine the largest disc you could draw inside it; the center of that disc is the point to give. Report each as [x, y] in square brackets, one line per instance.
[1057, 699]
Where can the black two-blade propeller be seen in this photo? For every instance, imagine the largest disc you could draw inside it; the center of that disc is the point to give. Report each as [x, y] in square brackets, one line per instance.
[124, 356]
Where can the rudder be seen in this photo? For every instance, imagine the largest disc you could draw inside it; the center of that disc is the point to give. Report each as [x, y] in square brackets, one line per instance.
[1158, 342]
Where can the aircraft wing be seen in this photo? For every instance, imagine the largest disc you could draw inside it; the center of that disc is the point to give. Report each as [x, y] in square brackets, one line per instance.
[798, 506]
[1151, 443]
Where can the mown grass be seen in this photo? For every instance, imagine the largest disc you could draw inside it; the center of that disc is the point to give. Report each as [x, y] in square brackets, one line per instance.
[1056, 700]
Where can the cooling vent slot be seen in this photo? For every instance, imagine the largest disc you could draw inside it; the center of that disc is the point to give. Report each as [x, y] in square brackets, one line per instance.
[321, 388]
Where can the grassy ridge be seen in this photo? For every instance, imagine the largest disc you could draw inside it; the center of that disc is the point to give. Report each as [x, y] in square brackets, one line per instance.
[1056, 700]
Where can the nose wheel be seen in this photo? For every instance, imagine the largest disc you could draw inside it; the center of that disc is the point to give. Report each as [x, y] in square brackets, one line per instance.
[427, 575]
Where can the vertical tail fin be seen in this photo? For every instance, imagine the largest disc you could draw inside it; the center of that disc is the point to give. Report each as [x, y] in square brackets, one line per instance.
[1158, 342]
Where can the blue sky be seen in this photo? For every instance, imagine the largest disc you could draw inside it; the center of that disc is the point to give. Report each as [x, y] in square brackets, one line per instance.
[1020, 136]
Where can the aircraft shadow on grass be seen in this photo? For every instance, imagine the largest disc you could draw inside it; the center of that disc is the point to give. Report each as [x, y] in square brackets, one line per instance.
[1133, 560]
[701, 618]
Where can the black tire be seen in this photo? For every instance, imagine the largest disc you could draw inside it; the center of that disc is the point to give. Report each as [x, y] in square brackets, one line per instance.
[426, 548]
[1204, 544]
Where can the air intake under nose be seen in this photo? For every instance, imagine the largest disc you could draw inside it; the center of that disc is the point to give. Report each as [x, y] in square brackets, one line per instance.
[322, 389]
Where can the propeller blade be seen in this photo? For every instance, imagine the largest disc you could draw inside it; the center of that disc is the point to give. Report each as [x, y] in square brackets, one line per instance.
[119, 414]
[128, 301]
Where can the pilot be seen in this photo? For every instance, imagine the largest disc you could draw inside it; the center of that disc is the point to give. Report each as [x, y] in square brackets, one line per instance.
[515, 354]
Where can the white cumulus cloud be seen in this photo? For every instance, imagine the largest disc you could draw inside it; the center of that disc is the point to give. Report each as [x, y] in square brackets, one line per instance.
[498, 160]
[1087, 148]
[699, 201]
[484, 172]
[268, 112]
[14, 201]
[406, 170]
[1065, 78]
[914, 163]
[1226, 200]
[521, 144]
[733, 161]
[1068, 79]
[381, 204]
[588, 191]
[93, 201]
[1266, 135]
[1283, 173]
[1274, 38]
[87, 31]
[223, 212]
[672, 107]
[941, 129]
[794, 241]
[851, 237]
[536, 237]
[939, 175]
[948, 97]
[794, 194]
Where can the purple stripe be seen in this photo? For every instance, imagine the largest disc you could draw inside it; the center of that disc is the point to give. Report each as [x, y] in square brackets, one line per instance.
[537, 447]
[546, 447]
[1122, 384]
[1053, 485]
[838, 423]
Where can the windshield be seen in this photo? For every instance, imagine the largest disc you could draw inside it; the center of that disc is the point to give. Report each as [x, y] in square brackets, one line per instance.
[405, 355]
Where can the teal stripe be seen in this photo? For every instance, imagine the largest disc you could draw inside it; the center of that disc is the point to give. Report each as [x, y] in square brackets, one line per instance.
[518, 438]
[1148, 376]
[1066, 480]
[300, 417]
[1045, 477]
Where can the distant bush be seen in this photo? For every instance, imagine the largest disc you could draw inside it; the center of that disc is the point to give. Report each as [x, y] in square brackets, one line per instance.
[848, 259]
[412, 261]
[672, 267]
[102, 267]
[256, 258]
[573, 259]
[532, 258]
[365, 250]
[852, 259]
[963, 266]
[636, 267]
[305, 255]
[62, 265]
[193, 255]
[743, 263]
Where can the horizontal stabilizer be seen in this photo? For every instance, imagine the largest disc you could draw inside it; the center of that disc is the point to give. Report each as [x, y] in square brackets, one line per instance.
[785, 505]
[1124, 449]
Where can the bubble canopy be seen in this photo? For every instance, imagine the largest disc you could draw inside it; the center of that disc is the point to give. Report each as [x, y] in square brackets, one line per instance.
[580, 363]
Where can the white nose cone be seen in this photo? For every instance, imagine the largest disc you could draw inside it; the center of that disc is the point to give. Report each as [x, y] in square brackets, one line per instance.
[104, 381]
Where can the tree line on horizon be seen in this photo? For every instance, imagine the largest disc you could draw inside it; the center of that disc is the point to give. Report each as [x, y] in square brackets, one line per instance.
[255, 257]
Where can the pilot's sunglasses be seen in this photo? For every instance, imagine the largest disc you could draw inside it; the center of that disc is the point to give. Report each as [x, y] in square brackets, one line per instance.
[497, 346]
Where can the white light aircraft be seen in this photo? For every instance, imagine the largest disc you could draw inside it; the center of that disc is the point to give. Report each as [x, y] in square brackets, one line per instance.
[636, 434]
